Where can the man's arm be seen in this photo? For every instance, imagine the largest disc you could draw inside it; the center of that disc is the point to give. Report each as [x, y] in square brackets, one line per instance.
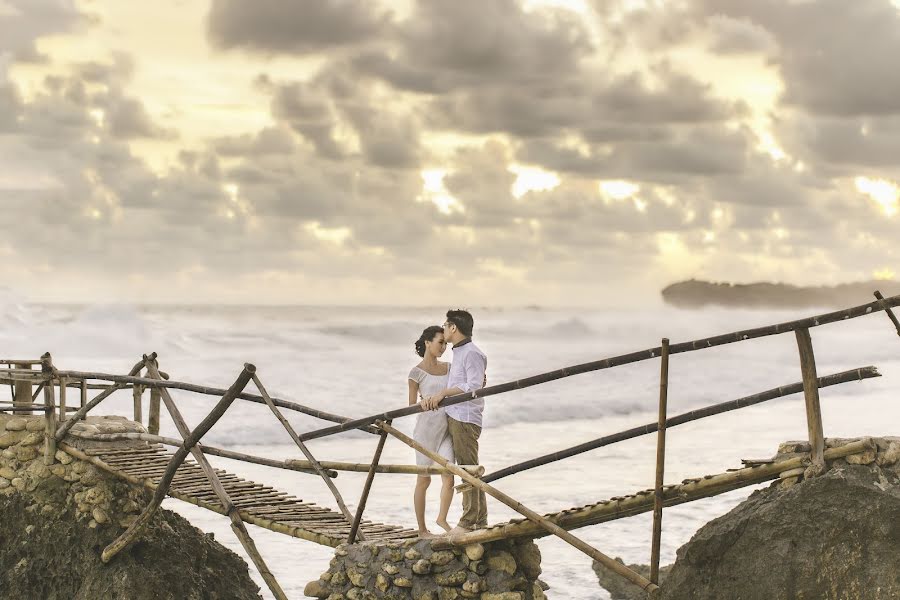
[474, 365]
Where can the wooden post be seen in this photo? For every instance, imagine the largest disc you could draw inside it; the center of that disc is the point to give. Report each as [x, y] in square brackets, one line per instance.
[612, 565]
[887, 309]
[813, 409]
[63, 382]
[191, 439]
[49, 411]
[83, 393]
[23, 390]
[137, 393]
[361, 507]
[153, 416]
[315, 464]
[660, 462]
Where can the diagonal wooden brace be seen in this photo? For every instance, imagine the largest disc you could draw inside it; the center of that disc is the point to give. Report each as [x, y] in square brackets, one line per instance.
[887, 309]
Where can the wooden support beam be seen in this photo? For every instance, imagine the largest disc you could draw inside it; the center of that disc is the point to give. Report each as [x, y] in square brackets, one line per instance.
[811, 396]
[83, 399]
[361, 507]
[309, 456]
[660, 463]
[137, 393]
[612, 565]
[23, 394]
[191, 439]
[642, 502]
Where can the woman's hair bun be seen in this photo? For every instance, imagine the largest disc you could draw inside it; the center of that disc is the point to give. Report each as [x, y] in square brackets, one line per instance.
[427, 335]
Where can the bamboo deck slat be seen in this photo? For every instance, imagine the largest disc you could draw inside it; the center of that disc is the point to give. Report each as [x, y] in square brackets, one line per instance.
[258, 504]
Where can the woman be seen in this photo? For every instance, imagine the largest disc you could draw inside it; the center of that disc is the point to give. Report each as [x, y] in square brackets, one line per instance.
[425, 379]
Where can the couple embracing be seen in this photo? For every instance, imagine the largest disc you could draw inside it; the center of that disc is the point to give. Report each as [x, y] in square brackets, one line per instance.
[453, 431]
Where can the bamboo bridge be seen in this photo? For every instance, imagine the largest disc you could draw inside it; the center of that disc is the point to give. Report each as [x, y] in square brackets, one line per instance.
[178, 467]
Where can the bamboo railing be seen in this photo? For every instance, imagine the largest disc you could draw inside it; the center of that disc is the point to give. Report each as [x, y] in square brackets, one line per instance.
[61, 418]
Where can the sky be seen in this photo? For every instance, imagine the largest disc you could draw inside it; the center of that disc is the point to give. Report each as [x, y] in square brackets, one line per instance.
[425, 152]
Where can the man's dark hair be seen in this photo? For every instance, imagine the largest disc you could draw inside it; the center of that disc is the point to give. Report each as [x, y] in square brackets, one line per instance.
[463, 321]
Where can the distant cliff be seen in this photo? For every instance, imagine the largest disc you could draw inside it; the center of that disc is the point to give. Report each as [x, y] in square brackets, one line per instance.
[696, 294]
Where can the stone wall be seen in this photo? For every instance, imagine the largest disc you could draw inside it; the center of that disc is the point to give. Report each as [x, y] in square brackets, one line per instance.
[97, 497]
[506, 570]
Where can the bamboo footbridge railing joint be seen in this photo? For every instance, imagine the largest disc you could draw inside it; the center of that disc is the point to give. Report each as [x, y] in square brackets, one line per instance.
[144, 460]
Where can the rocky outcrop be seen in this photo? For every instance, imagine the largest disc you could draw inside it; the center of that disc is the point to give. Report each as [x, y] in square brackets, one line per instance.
[56, 519]
[413, 571]
[697, 294]
[832, 537]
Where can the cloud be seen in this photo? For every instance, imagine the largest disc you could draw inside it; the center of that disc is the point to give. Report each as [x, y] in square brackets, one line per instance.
[274, 26]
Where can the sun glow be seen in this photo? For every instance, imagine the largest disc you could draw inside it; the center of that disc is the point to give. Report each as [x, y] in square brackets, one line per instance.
[885, 193]
[884, 274]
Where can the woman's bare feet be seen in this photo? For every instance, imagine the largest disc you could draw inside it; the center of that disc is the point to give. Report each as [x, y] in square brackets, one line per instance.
[427, 535]
[444, 525]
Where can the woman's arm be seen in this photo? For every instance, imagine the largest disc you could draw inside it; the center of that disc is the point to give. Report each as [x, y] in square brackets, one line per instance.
[413, 392]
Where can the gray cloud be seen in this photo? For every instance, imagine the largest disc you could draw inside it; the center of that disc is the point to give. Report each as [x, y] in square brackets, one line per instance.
[273, 26]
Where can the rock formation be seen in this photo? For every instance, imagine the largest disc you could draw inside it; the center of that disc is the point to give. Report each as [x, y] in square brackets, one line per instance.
[697, 294]
[832, 537]
[56, 519]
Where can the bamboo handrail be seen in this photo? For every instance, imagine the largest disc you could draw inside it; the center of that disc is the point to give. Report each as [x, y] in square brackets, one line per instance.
[616, 361]
[209, 391]
[309, 456]
[190, 441]
[615, 566]
[693, 415]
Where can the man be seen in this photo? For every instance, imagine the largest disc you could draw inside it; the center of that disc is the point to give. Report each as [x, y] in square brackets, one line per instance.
[467, 374]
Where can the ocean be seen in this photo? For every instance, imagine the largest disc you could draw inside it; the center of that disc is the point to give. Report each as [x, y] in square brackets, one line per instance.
[354, 361]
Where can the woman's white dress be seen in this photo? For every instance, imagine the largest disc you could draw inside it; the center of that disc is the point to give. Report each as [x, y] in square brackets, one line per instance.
[431, 426]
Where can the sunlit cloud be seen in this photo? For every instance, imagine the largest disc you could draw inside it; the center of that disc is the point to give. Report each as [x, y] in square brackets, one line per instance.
[334, 235]
[885, 193]
[618, 189]
[434, 191]
[884, 273]
[532, 179]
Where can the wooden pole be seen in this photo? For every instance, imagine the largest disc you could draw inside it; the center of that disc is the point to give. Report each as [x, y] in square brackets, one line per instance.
[309, 456]
[694, 415]
[63, 383]
[607, 363]
[887, 309]
[811, 396]
[22, 394]
[137, 393]
[192, 437]
[153, 417]
[660, 463]
[87, 407]
[517, 506]
[361, 507]
[49, 411]
[83, 399]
